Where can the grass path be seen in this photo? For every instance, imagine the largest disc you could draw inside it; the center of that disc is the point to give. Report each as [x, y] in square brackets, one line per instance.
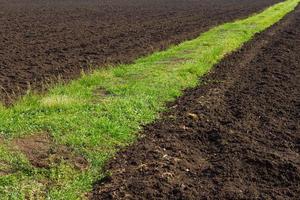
[100, 112]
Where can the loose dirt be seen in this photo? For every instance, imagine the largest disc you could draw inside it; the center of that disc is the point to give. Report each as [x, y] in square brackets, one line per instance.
[237, 136]
[43, 152]
[42, 42]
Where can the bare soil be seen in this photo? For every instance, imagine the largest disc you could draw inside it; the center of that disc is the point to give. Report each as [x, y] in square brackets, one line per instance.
[236, 136]
[43, 152]
[44, 41]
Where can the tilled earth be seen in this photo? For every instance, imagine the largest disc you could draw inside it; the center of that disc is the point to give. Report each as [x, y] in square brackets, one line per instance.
[237, 136]
[44, 41]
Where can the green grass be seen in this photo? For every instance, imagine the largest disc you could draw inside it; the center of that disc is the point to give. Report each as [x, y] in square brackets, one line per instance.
[103, 111]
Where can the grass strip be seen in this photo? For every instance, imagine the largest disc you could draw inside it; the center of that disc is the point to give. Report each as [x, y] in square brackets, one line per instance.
[103, 111]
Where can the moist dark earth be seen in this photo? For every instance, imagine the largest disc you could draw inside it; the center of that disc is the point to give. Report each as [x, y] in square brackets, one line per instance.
[44, 41]
[235, 136]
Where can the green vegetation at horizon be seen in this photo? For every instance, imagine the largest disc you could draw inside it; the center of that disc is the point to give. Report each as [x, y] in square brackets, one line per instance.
[103, 111]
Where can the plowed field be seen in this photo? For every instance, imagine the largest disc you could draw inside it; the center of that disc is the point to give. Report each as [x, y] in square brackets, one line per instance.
[43, 41]
[237, 136]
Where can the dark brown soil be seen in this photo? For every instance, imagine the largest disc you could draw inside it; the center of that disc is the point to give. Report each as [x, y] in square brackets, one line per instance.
[42, 40]
[237, 136]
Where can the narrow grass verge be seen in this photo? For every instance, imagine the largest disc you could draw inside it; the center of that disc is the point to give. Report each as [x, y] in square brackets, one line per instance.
[103, 111]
